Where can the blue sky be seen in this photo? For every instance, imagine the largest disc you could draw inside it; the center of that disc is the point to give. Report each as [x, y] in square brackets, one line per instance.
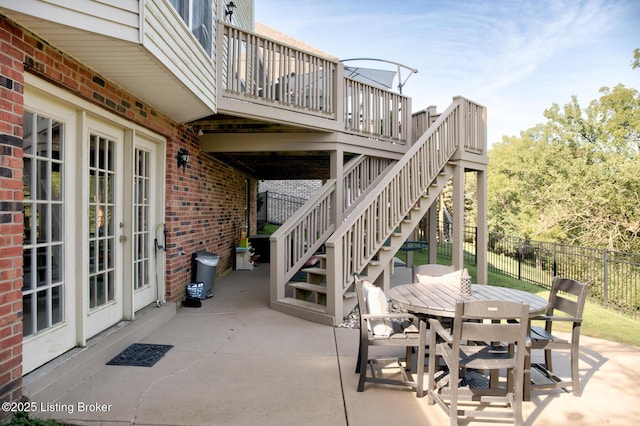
[516, 58]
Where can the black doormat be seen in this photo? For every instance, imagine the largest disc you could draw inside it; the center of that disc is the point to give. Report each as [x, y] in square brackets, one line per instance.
[140, 355]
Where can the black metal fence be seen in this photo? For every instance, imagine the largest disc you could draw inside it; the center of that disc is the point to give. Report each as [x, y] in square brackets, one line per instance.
[275, 208]
[612, 277]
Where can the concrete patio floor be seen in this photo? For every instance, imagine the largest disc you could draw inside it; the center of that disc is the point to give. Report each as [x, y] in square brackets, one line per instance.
[234, 361]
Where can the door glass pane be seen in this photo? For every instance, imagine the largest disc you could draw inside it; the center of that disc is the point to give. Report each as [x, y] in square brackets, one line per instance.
[27, 314]
[56, 264]
[41, 222]
[28, 224]
[56, 181]
[43, 252]
[42, 186]
[43, 136]
[27, 139]
[102, 227]
[27, 178]
[56, 220]
[43, 311]
[56, 304]
[42, 265]
[27, 269]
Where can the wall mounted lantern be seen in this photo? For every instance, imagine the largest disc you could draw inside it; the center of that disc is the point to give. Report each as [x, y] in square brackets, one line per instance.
[183, 158]
[231, 6]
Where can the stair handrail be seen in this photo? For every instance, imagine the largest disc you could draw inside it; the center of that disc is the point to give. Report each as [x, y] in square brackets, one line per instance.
[360, 175]
[296, 240]
[293, 243]
[357, 240]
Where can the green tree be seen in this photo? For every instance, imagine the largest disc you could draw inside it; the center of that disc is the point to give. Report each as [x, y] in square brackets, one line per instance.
[574, 178]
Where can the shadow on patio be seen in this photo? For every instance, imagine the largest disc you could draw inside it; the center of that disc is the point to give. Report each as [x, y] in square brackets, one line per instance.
[234, 361]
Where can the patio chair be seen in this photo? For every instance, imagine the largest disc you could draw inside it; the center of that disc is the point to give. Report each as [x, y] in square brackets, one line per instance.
[431, 269]
[432, 272]
[566, 304]
[484, 337]
[379, 327]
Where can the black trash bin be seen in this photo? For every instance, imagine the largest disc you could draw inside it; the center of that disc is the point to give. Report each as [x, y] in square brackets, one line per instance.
[205, 267]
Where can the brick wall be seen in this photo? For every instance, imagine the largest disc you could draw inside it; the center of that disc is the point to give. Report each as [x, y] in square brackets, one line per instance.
[205, 204]
[11, 220]
[297, 188]
[203, 214]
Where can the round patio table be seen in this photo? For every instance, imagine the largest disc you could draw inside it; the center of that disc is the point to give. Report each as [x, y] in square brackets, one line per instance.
[439, 299]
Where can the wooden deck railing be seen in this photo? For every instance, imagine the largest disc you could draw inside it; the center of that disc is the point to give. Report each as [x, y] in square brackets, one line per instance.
[263, 70]
[374, 112]
[257, 69]
[357, 240]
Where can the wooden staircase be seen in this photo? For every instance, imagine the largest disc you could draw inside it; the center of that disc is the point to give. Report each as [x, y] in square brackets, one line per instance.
[371, 233]
[312, 293]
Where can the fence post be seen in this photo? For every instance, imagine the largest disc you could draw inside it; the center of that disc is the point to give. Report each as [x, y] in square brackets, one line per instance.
[266, 207]
[519, 256]
[475, 243]
[555, 260]
[605, 295]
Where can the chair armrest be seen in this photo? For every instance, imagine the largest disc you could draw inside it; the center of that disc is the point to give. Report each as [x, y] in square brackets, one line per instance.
[440, 330]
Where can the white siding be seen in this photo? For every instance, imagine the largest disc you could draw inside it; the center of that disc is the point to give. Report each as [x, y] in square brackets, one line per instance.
[113, 18]
[148, 51]
[243, 15]
[167, 37]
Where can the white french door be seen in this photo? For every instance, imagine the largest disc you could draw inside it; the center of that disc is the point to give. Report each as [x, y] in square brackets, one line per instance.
[144, 252]
[103, 288]
[93, 206]
[48, 291]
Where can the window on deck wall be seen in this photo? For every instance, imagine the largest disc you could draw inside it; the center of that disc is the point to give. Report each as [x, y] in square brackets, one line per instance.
[198, 15]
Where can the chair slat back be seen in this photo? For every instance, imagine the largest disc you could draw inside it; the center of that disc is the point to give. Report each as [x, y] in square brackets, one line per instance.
[567, 296]
[487, 320]
[431, 269]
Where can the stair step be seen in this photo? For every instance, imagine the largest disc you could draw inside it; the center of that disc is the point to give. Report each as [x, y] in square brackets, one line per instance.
[316, 271]
[308, 286]
[303, 304]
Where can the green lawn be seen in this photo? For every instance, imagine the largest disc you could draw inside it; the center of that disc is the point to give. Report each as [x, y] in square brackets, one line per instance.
[598, 321]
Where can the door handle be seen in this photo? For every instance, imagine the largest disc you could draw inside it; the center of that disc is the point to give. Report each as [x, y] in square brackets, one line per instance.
[123, 238]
